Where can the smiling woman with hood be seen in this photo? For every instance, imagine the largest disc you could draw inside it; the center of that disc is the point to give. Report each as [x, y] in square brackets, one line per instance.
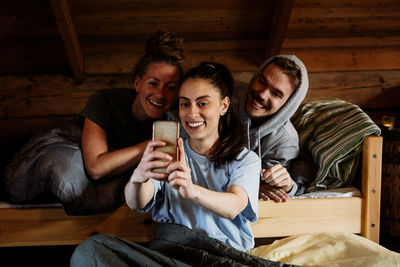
[267, 103]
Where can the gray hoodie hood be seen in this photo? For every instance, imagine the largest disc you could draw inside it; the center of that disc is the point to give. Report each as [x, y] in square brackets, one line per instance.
[283, 115]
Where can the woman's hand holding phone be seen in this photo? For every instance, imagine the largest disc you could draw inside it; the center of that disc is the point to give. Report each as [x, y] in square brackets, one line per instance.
[152, 159]
[159, 153]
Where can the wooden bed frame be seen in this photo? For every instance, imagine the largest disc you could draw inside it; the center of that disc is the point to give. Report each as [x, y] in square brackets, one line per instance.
[360, 215]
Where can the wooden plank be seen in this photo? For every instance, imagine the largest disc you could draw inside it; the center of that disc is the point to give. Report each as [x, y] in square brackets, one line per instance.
[366, 98]
[45, 85]
[25, 58]
[41, 226]
[345, 42]
[342, 27]
[371, 186]
[52, 226]
[354, 79]
[299, 216]
[26, 18]
[178, 21]
[348, 3]
[121, 63]
[68, 33]
[348, 59]
[25, 126]
[42, 94]
[277, 29]
[365, 11]
[367, 89]
[100, 6]
[107, 46]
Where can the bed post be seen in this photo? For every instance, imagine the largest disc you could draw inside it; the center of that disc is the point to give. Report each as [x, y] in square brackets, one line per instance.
[371, 186]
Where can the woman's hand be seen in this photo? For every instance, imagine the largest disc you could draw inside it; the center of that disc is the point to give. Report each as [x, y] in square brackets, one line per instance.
[180, 175]
[151, 159]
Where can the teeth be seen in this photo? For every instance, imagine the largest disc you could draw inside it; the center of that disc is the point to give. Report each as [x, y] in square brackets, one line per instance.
[259, 105]
[155, 103]
[195, 124]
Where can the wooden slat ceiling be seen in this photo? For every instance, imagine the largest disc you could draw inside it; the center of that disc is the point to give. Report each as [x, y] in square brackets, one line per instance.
[103, 37]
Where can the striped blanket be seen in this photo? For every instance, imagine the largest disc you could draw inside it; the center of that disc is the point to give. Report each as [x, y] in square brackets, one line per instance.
[332, 131]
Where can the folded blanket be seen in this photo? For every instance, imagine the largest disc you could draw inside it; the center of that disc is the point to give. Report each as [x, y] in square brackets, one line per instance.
[328, 249]
[332, 132]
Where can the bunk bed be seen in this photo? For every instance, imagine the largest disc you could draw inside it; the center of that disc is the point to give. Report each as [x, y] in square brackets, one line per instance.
[48, 224]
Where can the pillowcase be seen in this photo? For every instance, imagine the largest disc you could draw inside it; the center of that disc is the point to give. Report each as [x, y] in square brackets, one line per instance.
[332, 132]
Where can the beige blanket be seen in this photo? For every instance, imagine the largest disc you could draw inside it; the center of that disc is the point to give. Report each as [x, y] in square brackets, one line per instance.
[328, 249]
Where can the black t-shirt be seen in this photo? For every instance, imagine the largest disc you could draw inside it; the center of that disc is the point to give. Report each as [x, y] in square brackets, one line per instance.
[111, 109]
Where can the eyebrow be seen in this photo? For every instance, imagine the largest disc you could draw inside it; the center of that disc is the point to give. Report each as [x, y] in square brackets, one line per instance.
[155, 78]
[276, 89]
[199, 98]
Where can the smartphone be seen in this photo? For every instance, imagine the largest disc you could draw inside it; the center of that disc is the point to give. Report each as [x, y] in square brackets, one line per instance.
[167, 131]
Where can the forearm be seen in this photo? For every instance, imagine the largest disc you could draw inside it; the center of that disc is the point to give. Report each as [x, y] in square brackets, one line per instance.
[137, 195]
[115, 162]
[225, 204]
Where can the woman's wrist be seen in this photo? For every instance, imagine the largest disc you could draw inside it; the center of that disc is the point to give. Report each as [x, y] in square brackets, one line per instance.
[135, 179]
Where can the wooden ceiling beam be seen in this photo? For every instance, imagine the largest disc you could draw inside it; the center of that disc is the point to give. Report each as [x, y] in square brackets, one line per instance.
[68, 33]
[279, 23]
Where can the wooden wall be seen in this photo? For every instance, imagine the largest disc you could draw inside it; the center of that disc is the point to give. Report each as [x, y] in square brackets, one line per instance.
[55, 53]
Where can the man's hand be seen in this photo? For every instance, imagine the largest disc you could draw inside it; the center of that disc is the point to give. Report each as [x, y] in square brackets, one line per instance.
[268, 192]
[277, 183]
[278, 177]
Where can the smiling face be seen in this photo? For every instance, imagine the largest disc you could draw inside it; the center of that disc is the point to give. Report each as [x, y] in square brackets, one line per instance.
[200, 108]
[268, 93]
[157, 91]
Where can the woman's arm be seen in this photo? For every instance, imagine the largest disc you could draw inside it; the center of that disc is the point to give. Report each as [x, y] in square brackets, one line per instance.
[140, 189]
[99, 162]
[225, 204]
[137, 195]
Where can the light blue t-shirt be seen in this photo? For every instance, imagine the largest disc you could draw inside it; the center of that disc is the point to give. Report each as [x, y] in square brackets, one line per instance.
[170, 207]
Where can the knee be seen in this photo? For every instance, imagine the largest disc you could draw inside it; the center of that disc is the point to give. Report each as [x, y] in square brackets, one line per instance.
[88, 252]
[68, 178]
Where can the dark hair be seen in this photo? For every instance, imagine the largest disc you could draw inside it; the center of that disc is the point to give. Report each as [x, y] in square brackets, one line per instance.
[231, 133]
[161, 47]
[290, 69]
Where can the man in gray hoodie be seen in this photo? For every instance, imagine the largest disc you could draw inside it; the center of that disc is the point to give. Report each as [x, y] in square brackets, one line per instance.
[266, 105]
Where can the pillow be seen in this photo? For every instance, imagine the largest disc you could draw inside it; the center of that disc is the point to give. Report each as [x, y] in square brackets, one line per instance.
[332, 132]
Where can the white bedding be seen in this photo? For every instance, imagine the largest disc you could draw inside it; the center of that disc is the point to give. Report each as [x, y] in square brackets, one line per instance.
[338, 192]
[328, 249]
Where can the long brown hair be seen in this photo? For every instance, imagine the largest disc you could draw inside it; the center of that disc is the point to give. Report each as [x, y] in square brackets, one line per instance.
[231, 133]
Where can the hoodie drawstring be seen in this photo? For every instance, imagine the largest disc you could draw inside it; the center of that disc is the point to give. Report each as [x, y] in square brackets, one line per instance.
[259, 143]
[248, 135]
[248, 139]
